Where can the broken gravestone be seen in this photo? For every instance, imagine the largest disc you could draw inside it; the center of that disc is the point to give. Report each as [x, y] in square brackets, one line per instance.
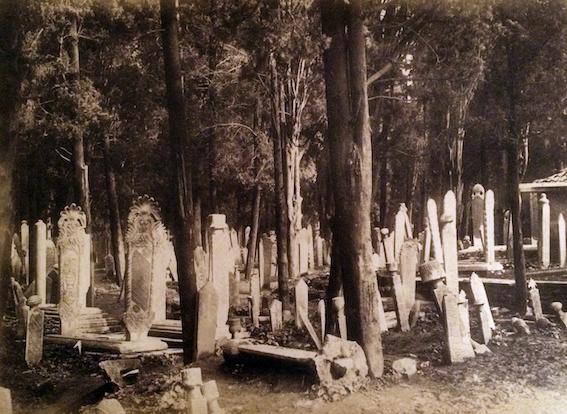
[34, 336]
[479, 298]
[456, 349]
[404, 367]
[465, 324]
[402, 312]
[193, 381]
[535, 299]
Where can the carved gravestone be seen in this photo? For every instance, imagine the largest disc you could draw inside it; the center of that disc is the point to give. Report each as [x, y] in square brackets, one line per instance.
[477, 210]
[255, 295]
[456, 349]
[544, 236]
[147, 264]
[73, 248]
[434, 228]
[207, 320]
[276, 315]
[34, 335]
[402, 311]
[479, 298]
[220, 265]
[465, 325]
[449, 238]
[301, 301]
[400, 230]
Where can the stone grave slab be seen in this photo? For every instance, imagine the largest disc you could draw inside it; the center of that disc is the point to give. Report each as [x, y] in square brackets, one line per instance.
[34, 335]
[449, 239]
[479, 297]
[111, 343]
[408, 270]
[301, 300]
[207, 320]
[276, 315]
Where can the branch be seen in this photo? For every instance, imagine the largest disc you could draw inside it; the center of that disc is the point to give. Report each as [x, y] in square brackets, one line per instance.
[229, 125]
[385, 69]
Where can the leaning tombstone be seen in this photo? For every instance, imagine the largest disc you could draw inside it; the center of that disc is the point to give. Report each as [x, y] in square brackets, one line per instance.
[301, 300]
[34, 336]
[465, 325]
[145, 280]
[479, 297]
[400, 230]
[211, 394]
[22, 309]
[402, 312]
[456, 349]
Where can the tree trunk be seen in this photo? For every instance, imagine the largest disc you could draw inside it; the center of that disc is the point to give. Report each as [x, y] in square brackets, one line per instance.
[253, 239]
[281, 205]
[333, 288]
[114, 213]
[351, 160]
[293, 200]
[514, 199]
[183, 220]
[197, 223]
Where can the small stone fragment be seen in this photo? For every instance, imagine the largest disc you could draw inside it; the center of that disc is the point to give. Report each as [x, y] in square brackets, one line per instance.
[109, 406]
[404, 367]
[520, 326]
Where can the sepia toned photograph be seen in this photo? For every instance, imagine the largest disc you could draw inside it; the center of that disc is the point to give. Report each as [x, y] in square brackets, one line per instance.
[283, 206]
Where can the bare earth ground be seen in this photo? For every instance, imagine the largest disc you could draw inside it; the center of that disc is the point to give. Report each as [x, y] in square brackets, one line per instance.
[523, 375]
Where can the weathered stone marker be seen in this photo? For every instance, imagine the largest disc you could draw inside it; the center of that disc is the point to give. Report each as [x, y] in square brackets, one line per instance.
[562, 241]
[434, 227]
[477, 209]
[339, 305]
[558, 309]
[408, 269]
[310, 329]
[381, 315]
[426, 256]
[465, 325]
[255, 296]
[211, 393]
[276, 316]
[489, 253]
[301, 300]
[207, 320]
[147, 263]
[192, 381]
[221, 263]
[5, 401]
[73, 250]
[34, 336]
[318, 246]
[22, 308]
[402, 312]
[449, 238]
[535, 299]
[433, 275]
[543, 242]
[41, 260]
[322, 317]
[479, 298]
[201, 262]
[400, 230]
[25, 239]
[455, 346]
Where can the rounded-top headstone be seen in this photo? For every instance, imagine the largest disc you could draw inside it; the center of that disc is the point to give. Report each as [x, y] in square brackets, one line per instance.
[478, 191]
[34, 300]
[431, 271]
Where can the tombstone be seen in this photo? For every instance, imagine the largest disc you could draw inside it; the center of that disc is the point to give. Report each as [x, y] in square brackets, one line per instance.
[25, 239]
[402, 311]
[318, 242]
[207, 320]
[465, 325]
[456, 349]
[561, 234]
[301, 300]
[477, 210]
[220, 265]
[234, 286]
[109, 267]
[246, 236]
[147, 263]
[387, 247]
[74, 261]
[310, 329]
[211, 394]
[426, 242]
[192, 379]
[557, 308]
[16, 259]
[543, 243]
[433, 275]
[303, 251]
[400, 230]
[266, 257]
[535, 299]
[234, 246]
[380, 314]
[489, 253]
[322, 317]
[310, 248]
[434, 227]
[261, 263]
[449, 237]
[201, 263]
[339, 305]
[408, 270]
[41, 260]
[34, 334]
[479, 297]
[5, 400]
[276, 315]
[22, 309]
[256, 299]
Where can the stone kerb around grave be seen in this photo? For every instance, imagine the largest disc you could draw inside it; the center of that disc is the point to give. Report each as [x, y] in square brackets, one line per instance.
[147, 264]
[72, 248]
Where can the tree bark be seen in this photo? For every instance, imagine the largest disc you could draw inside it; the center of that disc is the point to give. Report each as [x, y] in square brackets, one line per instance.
[333, 288]
[351, 157]
[253, 240]
[116, 235]
[281, 205]
[514, 197]
[183, 220]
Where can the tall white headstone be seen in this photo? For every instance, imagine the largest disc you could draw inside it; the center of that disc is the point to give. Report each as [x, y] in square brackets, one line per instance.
[489, 227]
[543, 243]
[477, 210]
[41, 260]
[220, 266]
[449, 235]
[561, 235]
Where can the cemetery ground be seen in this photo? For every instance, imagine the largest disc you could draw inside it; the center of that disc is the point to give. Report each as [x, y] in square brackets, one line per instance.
[523, 374]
